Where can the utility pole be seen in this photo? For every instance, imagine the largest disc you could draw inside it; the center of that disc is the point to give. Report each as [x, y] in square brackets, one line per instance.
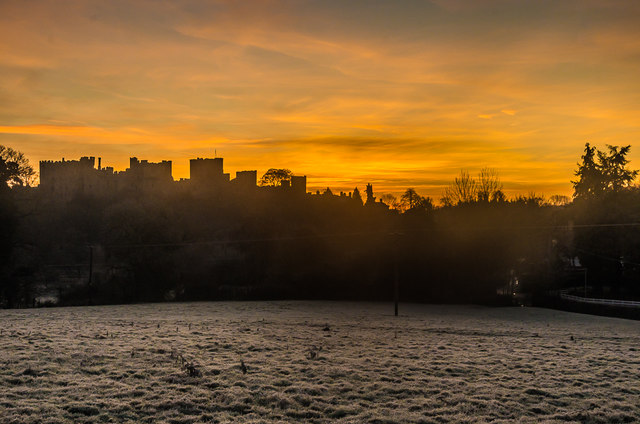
[90, 273]
[396, 287]
[585, 282]
[396, 272]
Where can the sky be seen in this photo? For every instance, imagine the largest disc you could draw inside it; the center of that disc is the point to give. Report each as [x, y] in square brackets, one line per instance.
[402, 93]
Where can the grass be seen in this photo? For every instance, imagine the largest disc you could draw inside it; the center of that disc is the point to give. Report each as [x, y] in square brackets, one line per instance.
[316, 362]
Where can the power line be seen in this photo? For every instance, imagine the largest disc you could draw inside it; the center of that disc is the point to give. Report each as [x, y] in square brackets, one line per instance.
[404, 232]
[622, 224]
[247, 240]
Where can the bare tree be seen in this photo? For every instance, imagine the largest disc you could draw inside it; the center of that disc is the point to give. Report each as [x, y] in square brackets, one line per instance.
[489, 186]
[464, 189]
[391, 201]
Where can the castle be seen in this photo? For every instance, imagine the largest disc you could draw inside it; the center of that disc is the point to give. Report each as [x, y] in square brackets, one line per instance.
[66, 179]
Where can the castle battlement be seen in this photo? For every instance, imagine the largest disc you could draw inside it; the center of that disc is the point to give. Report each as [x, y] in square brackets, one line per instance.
[71, 178]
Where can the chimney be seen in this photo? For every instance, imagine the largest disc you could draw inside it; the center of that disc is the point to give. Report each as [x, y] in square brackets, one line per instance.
[99, 163]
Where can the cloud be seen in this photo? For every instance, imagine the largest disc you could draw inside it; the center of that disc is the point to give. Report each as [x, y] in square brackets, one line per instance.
[364, 90]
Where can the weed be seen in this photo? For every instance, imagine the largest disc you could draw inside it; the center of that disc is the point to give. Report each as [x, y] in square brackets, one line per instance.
[191, 369]
[314, 352]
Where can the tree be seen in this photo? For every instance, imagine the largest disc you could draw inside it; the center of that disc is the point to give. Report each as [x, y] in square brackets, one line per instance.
[426, 203]
[614, 170]
[604, 194]
[411, 200]
[589, 175]
[464, 189]
[275, 177]
[489, 186]
[531, 199]
[391, 201]
[15, 169]
[356, 196]
[602, 172]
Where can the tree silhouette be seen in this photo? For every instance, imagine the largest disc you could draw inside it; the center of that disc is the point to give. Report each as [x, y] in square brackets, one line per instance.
[15, 168]
[275, 177]
[464, 189]
[589, 175]
[489, 186]
[613, 166]
[391, 201]
[602, 172]
[411, 200]
[604, 194]
[356, 196]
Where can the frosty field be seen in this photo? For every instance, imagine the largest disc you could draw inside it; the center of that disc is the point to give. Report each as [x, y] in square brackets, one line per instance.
[316, 362]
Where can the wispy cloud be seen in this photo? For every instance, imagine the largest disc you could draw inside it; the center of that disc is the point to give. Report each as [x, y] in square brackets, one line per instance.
[402, 93]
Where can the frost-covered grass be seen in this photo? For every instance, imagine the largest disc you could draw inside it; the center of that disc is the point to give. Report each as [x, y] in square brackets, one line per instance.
[316, 362]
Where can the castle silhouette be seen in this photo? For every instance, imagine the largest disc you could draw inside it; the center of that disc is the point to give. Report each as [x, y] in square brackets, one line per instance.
[66, 179]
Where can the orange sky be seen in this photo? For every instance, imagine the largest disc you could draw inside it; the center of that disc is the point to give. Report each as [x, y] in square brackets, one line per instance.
[401, 94]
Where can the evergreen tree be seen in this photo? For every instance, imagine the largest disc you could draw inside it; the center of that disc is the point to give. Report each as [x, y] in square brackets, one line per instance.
[589, 173]
[356, 196]
[602, 172]
[613, 167]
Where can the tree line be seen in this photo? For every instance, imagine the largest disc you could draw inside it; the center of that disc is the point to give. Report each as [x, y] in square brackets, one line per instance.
[179, 245]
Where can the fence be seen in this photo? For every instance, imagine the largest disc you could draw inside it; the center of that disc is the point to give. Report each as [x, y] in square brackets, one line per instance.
[610, 302]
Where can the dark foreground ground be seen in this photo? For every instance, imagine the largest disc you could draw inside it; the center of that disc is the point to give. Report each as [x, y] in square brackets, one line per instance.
[318, 362]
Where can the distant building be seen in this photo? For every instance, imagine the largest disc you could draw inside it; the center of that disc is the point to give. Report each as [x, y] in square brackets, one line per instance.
[246, 179]
[299, 184]
[371, 199]
[147, 175]
[68, 178]
[207, 172]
